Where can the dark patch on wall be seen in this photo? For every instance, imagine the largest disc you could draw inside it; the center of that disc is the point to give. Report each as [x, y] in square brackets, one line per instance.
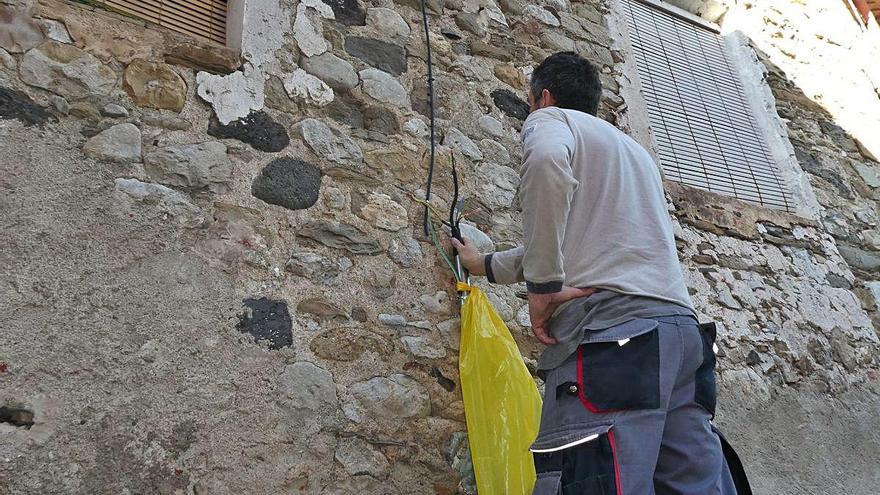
[510, 104]
[381, 55]
[17, 416]
[348, 12]
[288, 182]
[266, 319]
[258, 129]
[19, 106]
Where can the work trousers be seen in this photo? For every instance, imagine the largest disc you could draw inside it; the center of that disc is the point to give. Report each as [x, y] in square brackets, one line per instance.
[630, 412]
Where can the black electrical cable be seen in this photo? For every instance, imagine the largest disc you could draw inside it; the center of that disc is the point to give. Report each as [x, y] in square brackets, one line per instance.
[430, 115]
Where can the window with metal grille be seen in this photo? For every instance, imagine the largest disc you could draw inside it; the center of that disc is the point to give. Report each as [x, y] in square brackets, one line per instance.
[202, 19]
[706, 135]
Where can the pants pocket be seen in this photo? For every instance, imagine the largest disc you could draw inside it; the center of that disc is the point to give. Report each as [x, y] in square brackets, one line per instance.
[585, 466]
[620, 375]
[705, 392]
[548, 483]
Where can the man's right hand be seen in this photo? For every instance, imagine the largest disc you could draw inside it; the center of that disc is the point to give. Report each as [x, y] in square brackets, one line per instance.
[471, 259]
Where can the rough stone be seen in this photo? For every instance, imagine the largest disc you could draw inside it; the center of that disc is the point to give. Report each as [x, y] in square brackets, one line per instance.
[541, 15]
[859, 258]
[233, 96]
[557, 42]
[315, 267]
[482, 242]
[473, 69]
[164, 121]
[303, 86]
[60, 104]
[472, 23]
[348, 12]
[258, 129]
[359, 457]
[288, 182]
[19, 106]
[495, 14]
[393, 398]
[869, 173]
[56, 30]
[66, 70]
[86, 110]
[514, 7]
[194, 166]
[491, 126]
[432, 6]
[385, 213]
[345, 113]
[166, 200]
[384, 88]
[463, 144]
[389, 23]
[381, 120]
[321, 307]
[422, 346]
[346, 344]
[309, 387]
[523, 318]
[510, 104]
[417, 127]
[154, 85]
[340, 236]
[434, 303]
[385, 56]
[266, 319]
[496, 152]
[19, 32]
[336, 72]
[7, 60]
[488, 50]
[392, 320]
[406, 252]
[497, 185]
[277, 98]
[327, 144]
[113, 110]
[120, 143]
[510, 75]
[308, 33]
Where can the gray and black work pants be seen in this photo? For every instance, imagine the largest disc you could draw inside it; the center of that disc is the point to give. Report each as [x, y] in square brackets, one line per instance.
[630, 412]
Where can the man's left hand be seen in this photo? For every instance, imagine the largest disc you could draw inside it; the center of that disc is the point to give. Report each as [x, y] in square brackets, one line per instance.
[542, 306]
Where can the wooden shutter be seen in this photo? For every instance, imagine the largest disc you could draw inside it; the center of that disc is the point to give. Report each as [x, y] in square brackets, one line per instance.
[706, 135]
[202, 19]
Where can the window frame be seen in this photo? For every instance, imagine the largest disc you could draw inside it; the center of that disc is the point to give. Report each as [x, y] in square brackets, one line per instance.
[759, 98]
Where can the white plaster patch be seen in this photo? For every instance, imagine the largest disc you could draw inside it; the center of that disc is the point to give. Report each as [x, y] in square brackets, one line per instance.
[303, 86]
[265, 24]
[308, 32]
[233, 96]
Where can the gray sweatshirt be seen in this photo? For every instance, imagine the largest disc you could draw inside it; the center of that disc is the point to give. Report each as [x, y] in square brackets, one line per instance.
[594, 215]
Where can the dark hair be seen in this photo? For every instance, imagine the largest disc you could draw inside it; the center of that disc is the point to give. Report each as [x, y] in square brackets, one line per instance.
[572, 80]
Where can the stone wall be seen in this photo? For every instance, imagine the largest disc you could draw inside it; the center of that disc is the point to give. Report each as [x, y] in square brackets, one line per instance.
[217, 280]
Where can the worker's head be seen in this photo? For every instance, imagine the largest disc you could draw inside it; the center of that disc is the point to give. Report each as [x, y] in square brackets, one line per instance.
[565, 80]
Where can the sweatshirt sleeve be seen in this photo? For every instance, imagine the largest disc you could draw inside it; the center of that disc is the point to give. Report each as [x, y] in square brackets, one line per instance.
[505, 267]
[545, 192]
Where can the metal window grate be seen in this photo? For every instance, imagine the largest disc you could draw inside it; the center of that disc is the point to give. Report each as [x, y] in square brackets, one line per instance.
[202, 19]
[706, 136]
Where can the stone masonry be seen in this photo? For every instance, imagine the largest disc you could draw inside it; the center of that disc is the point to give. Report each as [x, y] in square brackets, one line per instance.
[215, 277]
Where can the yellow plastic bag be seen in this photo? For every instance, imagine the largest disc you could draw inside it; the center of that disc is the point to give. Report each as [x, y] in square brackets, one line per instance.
[501, 401]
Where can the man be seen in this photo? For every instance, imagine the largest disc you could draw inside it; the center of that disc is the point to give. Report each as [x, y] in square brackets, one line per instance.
[629, 373]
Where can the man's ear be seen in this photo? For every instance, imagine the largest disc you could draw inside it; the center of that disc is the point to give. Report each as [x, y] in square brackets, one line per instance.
[547, 99]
